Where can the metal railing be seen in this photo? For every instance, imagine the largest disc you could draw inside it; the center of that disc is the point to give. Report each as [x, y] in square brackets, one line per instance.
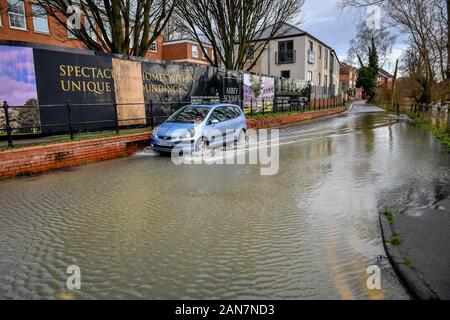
[289, 104]
[69, 118]
[285, 57]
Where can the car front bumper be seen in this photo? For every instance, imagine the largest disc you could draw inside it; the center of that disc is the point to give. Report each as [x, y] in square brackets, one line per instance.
[165, 146]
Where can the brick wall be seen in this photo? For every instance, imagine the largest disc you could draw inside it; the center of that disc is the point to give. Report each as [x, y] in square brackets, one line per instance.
[56, 156]
[182, 51]
[290, 119]
[175, 51]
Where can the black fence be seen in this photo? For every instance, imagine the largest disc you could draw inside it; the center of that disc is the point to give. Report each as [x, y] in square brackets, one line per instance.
[18, 122]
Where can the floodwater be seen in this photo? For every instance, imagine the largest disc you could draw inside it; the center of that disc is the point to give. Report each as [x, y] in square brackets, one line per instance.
[144, 228]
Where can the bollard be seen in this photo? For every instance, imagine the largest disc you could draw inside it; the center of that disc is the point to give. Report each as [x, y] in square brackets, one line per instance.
[69, 117]
[8, 125]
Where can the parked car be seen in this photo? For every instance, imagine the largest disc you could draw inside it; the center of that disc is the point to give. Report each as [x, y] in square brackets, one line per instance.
[197, 127]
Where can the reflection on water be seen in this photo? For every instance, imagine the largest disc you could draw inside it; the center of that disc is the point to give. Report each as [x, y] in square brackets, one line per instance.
[144, 228]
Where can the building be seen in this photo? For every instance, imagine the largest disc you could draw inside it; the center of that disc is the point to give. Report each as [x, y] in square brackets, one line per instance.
[385, 79]
[186, 51]
[294, 53]
[348, 76]
[25, 21]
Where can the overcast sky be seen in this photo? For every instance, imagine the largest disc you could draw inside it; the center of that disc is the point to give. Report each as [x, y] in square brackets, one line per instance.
[323, 19]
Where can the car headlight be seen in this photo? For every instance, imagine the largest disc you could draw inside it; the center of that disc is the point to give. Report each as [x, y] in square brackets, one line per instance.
[155, 131]
[188, 134]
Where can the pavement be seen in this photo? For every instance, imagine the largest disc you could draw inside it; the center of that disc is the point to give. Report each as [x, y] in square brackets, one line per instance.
[422, 259]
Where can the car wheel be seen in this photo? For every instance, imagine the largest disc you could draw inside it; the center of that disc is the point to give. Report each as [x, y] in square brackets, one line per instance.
[240, 138]
[202, 145]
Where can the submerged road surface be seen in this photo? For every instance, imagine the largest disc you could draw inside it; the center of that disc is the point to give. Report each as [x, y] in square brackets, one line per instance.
[144, 228]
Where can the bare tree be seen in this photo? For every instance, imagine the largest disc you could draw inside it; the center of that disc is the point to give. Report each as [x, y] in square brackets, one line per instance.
[117, 26]
[448, 40]
[358, 46]
[427, 24]
[232, 26]
[175, 29]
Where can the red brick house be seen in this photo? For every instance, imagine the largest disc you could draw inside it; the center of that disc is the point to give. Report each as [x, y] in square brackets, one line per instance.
[385, 79]
[23, 21]
[186, 51]
[347, 79]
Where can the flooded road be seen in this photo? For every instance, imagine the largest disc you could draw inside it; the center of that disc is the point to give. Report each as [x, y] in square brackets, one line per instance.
[143, 228]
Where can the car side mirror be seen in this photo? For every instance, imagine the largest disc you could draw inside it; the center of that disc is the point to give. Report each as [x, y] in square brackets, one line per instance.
[214, 121]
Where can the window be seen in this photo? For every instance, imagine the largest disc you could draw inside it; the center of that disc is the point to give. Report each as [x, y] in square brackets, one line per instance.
[232, 113]
[154, 47]
[194, 51]
[237, 111]
[286, 52]
[326, 58]
[16, 14]
[40, 21]
[311, 57]
[310, 76]
[320, 52]
[70, 35]
[311, 53]
[249, 53]
[90, 26]
[219, 114]
[286, 74]
[189, 114]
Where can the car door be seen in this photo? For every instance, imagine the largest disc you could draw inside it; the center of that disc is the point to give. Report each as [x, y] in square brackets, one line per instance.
[233, 124]
[216, 127]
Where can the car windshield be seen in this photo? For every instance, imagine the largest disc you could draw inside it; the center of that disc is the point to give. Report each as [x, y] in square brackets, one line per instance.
[190, 114]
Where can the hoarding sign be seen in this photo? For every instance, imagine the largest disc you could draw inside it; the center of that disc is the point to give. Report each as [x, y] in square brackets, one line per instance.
[83, 79]
[18, 88]
[259, 93]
